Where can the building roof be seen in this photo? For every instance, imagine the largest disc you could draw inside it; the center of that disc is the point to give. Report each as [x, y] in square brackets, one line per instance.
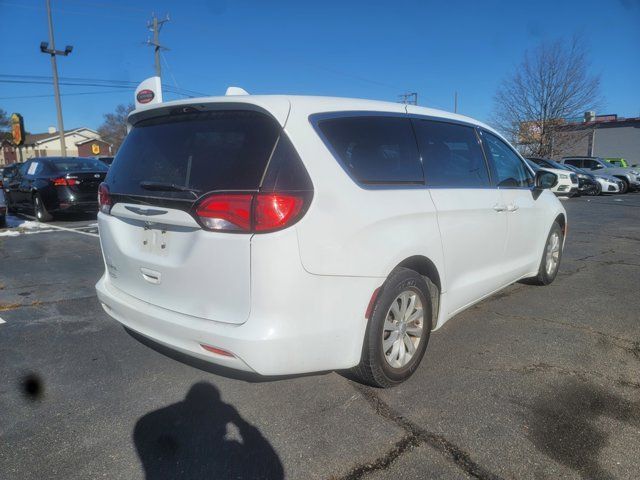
[613, 123]
[35, 138]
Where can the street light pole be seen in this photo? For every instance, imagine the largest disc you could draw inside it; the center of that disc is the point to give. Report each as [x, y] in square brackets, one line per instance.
[50, 48]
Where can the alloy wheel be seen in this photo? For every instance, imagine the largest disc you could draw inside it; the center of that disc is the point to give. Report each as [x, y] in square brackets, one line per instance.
[553, 253]
[402, 331]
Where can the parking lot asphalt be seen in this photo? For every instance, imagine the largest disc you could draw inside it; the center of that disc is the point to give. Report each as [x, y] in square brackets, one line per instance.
[534, 382]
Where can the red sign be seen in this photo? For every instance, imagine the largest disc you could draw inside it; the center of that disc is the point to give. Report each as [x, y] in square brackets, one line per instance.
[145, 96]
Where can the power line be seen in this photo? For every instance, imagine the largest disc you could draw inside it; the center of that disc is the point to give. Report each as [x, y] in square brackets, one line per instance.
[91, 82]
[48, 95]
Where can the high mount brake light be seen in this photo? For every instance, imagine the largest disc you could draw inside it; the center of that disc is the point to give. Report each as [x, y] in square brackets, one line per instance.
[250, 212]
[105, 202]
[64, 182]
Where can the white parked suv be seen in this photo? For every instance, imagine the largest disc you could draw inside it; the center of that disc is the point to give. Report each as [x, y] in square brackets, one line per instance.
[284, 234]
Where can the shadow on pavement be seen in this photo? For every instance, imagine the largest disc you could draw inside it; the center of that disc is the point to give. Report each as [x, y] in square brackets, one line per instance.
[203, 437]
[563, 425]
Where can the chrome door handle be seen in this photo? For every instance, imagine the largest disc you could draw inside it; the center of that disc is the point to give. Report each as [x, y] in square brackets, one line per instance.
[512, 208]
[499, 208]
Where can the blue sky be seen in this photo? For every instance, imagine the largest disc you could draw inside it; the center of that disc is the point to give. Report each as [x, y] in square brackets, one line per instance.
[369, 49]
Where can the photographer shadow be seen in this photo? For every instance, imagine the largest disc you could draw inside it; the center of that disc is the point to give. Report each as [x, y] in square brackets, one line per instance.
[203, 437]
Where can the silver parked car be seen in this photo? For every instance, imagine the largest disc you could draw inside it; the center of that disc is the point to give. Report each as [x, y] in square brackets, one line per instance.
[629, 176]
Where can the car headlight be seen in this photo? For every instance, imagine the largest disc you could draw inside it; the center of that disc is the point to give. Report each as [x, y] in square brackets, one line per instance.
[563, 176]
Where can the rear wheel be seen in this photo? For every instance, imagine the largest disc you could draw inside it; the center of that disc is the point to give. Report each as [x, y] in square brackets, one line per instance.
[551, 256]
[39, 210]
[398, 330]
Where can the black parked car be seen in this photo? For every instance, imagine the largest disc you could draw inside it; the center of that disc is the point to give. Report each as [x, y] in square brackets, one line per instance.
[8, 172]
[47, 185]
[587, 183]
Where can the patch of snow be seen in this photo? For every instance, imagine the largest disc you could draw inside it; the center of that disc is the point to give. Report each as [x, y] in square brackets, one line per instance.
[9, 233]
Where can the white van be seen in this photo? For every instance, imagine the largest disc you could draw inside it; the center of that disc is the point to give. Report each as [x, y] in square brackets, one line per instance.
[289, 234]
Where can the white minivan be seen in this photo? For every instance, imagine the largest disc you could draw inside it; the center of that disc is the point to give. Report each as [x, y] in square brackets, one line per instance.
[290, 234]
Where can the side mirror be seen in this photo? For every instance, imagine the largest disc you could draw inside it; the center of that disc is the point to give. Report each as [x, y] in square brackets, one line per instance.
[597, 167]
[545, 180]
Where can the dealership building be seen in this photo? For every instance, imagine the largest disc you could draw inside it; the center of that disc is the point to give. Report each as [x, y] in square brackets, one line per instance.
[79, 142]
[599, 136]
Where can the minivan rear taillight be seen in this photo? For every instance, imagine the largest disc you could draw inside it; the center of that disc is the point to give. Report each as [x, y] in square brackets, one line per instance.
[104, 199]
[250, 213]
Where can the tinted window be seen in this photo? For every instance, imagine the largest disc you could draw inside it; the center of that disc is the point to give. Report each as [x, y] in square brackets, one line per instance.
[205, 151]
[451, 155]
[510, 170]
[574, 162]
[77, 164]
[375, 149]
[589, 163]
[285, 171]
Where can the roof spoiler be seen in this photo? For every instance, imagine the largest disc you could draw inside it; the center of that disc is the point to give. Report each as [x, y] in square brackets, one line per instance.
[149, 92]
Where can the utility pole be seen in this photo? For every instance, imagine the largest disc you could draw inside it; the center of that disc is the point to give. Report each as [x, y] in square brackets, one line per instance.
[409, 98]
[50, 48]
[155, 25]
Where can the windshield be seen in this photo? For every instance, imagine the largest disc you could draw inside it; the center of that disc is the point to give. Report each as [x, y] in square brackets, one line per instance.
[607, 164]
[203, 151]
[77, 164]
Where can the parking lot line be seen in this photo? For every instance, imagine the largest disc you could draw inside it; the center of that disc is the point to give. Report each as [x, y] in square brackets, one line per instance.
[73, 230]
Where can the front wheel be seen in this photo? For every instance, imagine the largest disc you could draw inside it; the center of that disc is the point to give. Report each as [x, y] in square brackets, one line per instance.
[398, 330]
[551, 256]
[40, 211]
[625, 186]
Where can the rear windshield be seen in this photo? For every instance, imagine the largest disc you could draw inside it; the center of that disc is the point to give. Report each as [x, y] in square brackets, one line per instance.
[203, 151]
[64, 165]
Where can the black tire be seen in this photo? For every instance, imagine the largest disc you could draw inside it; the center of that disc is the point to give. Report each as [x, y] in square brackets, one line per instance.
[597, 190]
[374, 369]
[40, 211]
[10, 208]
[545, 277]
[625, 185]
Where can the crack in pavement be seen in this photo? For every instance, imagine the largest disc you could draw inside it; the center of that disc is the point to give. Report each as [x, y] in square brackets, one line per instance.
[415, 437]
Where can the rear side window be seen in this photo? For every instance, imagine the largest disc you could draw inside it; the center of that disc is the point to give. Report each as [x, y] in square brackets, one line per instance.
[510, 170]
[375, 149]
[574, 162]
[203, 151]
[451, 155]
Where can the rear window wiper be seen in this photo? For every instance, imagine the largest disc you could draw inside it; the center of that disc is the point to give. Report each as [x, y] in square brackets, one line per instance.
[167, 187]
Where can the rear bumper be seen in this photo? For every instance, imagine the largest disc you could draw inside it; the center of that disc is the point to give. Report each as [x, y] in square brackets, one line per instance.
[299, 322]
[72, 206]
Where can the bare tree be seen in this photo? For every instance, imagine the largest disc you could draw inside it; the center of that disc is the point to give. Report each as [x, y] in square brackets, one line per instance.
[551, 84]
[5, 121]
[114, 128]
